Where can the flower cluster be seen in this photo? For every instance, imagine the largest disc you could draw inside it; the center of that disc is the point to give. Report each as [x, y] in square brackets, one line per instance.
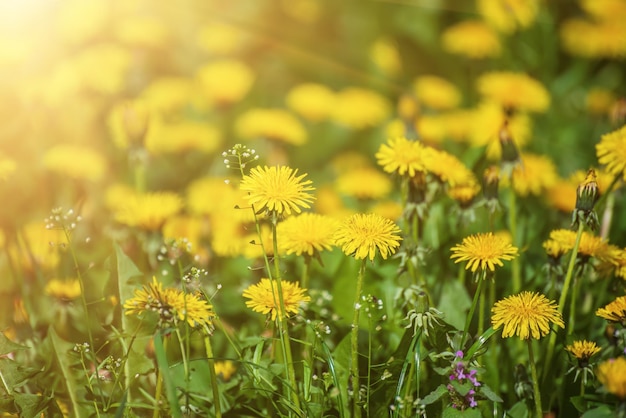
[463, 384]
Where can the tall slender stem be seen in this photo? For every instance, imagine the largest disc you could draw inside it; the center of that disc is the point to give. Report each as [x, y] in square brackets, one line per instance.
[563, 298]
[516, 264]
[470, 315]
[159, 386]
[533, 373]
[354, 369]
[209, 354]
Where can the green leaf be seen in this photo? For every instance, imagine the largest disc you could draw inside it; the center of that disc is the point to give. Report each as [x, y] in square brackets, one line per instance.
[14, 374]
[454, 303]
[60, 348]
[489, 394]
[7, 346]
[450, 412]
[519, 410]
[434, 395]
[579, 403]
[599, 412]
[170, 389]
[126, 270]
[462, 388]
[29, 406]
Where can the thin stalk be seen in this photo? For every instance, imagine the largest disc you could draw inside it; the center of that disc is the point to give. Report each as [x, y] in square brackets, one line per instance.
[533, 373]
[354, 368]
[210, 359]
[304, 278]
[83, 299]
[369, 367]
[470, 315]
[481, 313]
[184, 355]
[572, 310]
[282, 328]
[516, 264]
[159, 386]
[563, 298]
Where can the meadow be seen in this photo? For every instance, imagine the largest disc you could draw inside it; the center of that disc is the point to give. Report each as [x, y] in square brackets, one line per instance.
[313, 208]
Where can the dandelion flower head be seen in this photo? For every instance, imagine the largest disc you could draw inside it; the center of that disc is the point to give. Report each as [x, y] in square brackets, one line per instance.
[148, 210]
[64, 290]
[363, 235]
[277, 188]
[436, 92]
[526, 315]
[307, 233]
[225, 81]
[484, 251]
[172, 305]
[274, 124]
[263, 297]
[312, 101]
[582, 350]
[360, 108]
[514, 90]
[535, 175]
[75, 162]
[612, 374]
[507, 16]
[614, 311]
[384, 54]
[402, 156]
[447, 167]
[364, 183]
[471, 38]
[611, 151]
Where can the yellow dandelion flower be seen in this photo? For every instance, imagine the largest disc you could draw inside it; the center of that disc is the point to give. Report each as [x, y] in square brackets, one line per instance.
[225, 369]
[264, 297]
[471, 38]
[347, 161]
[63, 290]
[614, 311]
[464, 194]
[432, 129]
[436, 92]
[183, 227]
[149, 210]
[172, 305]
[363, 235]
[364, 183]
[507, 16]
[526, 315]
[582, 350]
[75, 162]
[447, 167]
[308, 233]
[484, 251]
[168, 94]
[590, 39]
[384, 54]
[535, 175]
[402, 156]
[612, 374]
[312, 101]
[599, 101]
[514, 90]
[42, 244]
[7, 167]
[359, 108]
[225, 81]
[181, 136]
[273, 124]
[128, 122]
[590, 245]
[389, 209]
[277, 188]
[487, 121]
[611, 151]
[102, 67]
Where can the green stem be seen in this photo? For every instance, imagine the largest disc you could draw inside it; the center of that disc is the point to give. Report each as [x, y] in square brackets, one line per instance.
[159, 386]
[533, 373]
[470, 315]
[563, 298]
[304, 279]
[209, 353]
[516, 263]
[572, 311]
[481, 313]
[354, 369]
[369, 366]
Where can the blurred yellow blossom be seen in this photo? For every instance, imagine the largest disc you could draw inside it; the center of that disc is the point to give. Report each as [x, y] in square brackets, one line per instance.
[75, 162]
[181, 136]
[168, 94]
[599, 101]
[148, 210]
[312, 101]
[81, 21]
[436, 92]
[611, 151]
[589, 39]
[183, 227]
[225, 369]
[612, 374]
[128, 121]
[225, 81]
[516, 91]
[39, 247]
[605, 9]
[447, 168]
[360, 108]
[273, 124]
[534, 176]
[103, 67]
[507, 16]
[63, 290]
[364, 183]
[384, 53]
[471, 38]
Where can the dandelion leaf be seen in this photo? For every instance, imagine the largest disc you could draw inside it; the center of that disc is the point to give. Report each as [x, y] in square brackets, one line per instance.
[7, 346]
